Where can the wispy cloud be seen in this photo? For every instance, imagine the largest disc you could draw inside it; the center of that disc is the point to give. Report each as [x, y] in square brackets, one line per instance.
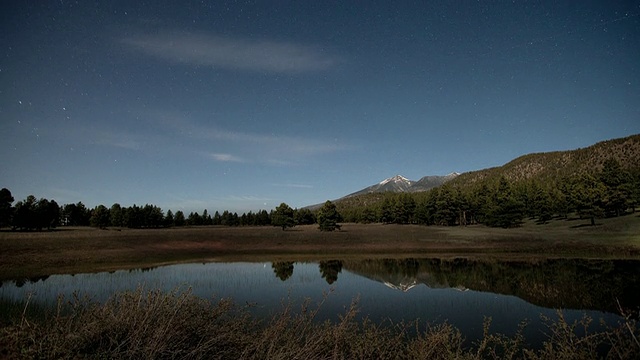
[128, 144]
[255, 147]
[272, 149]
[275, 143]
[102, 134]
[297, 186]
[225, 157]
[247, 198]
[233, 53]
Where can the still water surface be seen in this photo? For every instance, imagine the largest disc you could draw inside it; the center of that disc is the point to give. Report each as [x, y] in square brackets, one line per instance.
[459, 291]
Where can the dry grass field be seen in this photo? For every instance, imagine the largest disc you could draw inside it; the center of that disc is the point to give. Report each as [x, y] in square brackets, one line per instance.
[76, 250]
[179, 325]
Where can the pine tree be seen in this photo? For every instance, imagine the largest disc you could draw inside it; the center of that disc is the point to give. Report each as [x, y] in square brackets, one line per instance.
[587, 194]
[541, 204]
[179, 218]
[618, 188]
[368, 216]
[6, 199]
[386, 211]
[206, 218]
[283, 216]
[168, 219]
[217, 219]
[304, 217]
[116, 215]
[100, 217]
[446, 207]
[504, 209]
[328, 217]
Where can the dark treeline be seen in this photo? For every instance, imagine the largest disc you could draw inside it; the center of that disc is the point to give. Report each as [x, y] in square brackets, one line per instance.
[33, 214]
[496, 202]
[28, 214]
[613, 191]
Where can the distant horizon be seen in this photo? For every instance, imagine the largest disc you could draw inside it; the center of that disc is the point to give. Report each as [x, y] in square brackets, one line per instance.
[204, 105]
[240, 212]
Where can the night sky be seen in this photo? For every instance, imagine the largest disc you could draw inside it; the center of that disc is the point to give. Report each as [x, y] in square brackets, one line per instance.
[192, 105]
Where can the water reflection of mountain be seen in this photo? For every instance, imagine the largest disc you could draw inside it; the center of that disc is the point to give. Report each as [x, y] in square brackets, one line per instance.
[552, 283]
[399, 274]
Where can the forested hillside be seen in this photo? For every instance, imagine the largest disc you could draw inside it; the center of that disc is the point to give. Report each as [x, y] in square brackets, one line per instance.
[553, 166]
[602, 180]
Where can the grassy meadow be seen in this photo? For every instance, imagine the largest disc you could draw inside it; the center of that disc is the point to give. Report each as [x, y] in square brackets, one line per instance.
[83, 249]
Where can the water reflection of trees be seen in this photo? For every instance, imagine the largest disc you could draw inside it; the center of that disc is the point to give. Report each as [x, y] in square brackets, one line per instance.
[553, 283]
[283, 269]
[404, 267]
[143, 270]
[23, 281]
[330, 270]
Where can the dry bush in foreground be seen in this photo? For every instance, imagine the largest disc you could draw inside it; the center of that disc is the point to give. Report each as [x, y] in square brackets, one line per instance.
[177, 324]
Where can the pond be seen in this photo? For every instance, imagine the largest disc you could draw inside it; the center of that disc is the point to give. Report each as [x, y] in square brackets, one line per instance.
[459, 291]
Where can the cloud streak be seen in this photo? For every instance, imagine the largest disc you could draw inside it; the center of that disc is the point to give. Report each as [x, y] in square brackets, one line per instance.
[233, 53]
[225, 157]
[276, 150]
[247, 198]
[255, 147]
[295, 186]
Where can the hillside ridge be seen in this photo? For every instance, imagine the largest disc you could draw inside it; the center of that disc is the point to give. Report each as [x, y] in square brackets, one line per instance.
[555, 164]
[546, 169]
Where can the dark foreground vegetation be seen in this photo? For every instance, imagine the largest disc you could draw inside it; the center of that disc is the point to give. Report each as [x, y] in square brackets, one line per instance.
[156, 325]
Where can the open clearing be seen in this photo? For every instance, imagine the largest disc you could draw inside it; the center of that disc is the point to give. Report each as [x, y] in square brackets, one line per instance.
[77, 250]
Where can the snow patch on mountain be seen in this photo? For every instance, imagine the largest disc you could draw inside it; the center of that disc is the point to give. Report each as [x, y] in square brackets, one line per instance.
[395, 179]
[400, 183]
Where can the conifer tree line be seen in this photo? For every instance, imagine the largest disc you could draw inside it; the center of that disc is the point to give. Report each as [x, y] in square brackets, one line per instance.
[613, 191]
[33, 214]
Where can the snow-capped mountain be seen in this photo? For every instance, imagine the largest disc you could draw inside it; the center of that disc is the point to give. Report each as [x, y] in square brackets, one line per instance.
[397, 183]
[400, 183]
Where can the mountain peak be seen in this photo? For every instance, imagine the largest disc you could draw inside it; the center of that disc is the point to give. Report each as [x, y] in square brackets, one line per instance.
[400, 183]
[395, 179]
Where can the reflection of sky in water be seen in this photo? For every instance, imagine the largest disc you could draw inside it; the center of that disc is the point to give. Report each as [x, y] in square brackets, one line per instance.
[257, 283]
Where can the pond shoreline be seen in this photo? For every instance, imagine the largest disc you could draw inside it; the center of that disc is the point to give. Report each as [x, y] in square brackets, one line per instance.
[157, 324]
[84, 249]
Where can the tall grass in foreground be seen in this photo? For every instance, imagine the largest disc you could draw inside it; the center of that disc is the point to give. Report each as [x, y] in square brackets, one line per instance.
[179, 325]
